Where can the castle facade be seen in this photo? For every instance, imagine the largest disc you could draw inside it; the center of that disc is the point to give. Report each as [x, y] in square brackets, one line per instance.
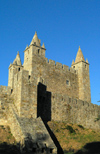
[52, 91]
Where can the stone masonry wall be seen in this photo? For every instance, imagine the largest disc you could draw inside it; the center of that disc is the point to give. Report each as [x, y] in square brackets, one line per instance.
[65, 108]
[55, 76]
[28, 96]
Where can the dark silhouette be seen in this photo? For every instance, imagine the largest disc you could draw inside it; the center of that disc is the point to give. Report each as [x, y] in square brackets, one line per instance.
[90, 148]
[44, 111]
[43, 103]
[59, 148]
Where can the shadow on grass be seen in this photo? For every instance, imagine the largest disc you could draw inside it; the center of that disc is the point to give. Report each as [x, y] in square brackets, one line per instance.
[59, 148]
[9, 149]
[33, 148]
[90, 148]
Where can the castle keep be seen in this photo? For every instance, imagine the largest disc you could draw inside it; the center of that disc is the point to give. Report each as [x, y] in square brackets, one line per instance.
[42, 90]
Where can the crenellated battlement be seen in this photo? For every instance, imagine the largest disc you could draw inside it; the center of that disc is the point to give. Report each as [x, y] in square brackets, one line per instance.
[60, 66]
[66, 108]
[55, 97]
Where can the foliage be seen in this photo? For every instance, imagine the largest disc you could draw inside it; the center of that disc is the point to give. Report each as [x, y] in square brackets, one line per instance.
[70, 128]
[81, 126]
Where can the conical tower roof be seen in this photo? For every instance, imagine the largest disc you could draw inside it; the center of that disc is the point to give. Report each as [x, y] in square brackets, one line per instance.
[87, 60]
[73, 62]
[17, 60]
[79, 56]
[43, 46]
[35, 40]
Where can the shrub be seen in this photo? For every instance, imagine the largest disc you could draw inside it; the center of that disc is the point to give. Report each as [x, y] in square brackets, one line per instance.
[71, 130]
[81, 126]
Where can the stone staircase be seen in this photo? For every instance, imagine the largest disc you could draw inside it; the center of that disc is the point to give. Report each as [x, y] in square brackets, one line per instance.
[30, 132]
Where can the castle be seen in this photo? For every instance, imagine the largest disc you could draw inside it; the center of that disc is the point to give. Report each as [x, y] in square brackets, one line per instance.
[42, 90]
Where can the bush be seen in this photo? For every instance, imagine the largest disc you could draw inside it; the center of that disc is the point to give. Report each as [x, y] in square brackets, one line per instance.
[81, 126]
[71, 130]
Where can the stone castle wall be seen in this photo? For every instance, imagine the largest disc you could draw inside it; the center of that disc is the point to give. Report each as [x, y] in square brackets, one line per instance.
[65, 108]
[55, 76]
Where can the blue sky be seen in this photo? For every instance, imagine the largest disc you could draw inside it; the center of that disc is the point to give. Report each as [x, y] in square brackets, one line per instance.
[63, 26]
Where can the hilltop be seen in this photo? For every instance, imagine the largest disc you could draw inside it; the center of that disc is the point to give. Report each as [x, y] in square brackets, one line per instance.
[71, 137]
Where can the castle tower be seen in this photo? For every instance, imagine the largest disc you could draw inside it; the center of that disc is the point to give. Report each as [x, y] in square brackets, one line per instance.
[32, 53]
[83, 76]
[13, 69]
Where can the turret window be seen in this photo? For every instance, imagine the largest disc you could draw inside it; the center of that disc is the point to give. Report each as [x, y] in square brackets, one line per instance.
[11, 91]
[29, 77]
[19, 69]
[38, 51]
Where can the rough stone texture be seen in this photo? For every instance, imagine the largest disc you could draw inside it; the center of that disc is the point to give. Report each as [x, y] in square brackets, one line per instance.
[43, 88]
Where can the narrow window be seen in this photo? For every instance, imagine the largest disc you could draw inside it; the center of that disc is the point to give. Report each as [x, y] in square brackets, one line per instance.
[19, 69]
[29, 77]
[67, 82]
[11, 91]
[38, 51]
[34, 43]
[73, 66]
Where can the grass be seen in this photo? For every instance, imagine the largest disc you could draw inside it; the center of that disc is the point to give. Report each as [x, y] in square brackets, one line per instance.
[73, 137]
[6, 135]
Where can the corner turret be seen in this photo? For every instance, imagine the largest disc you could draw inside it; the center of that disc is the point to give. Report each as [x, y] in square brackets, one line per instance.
[13, 69]
[33, 53]
[82, 67]
[79, 56]
[35, 40]
[17, 60]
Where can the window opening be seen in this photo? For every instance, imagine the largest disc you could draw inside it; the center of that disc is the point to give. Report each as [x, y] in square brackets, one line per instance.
[29, 77]
[38, 51]
[67, 82]
[19, 69]
[11, 91]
